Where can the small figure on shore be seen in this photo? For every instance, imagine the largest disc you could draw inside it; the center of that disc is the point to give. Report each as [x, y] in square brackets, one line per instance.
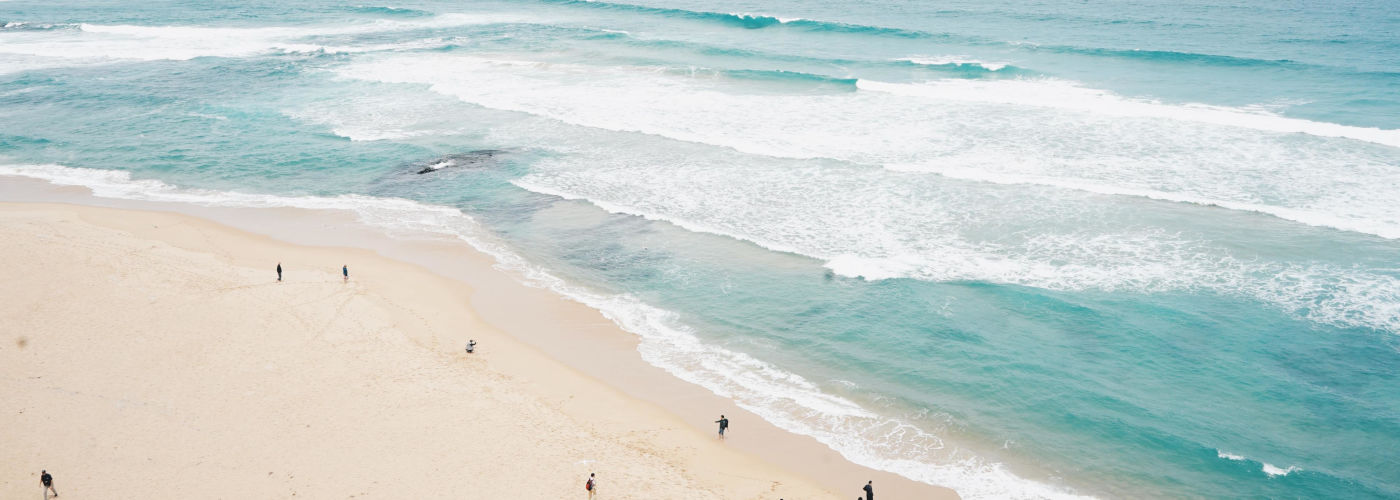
[723, 424]
[345, 271]
[279, 272]
[591, 485]
[471, 346]
[869, 490]
[47, 480]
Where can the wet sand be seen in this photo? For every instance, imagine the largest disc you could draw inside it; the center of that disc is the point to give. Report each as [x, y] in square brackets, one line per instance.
[158, 347]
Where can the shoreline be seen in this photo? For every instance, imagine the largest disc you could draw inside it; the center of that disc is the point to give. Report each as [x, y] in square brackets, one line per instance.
[566, 332]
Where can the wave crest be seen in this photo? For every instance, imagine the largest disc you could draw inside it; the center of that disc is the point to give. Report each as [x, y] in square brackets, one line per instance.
[1266, 468]
[955, 61]
[389, 11]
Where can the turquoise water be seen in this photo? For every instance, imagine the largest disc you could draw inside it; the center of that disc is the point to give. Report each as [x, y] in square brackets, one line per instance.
[1023, 250]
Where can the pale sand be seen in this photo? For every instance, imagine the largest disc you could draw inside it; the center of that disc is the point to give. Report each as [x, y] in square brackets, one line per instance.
[152, 355]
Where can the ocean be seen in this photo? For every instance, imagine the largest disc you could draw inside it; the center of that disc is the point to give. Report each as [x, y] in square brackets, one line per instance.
[1046, 249]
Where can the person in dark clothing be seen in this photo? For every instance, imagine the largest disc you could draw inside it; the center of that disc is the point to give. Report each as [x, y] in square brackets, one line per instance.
[345, 271]
[723, 424]
[47, 480]
[869, 490]
[279, 271]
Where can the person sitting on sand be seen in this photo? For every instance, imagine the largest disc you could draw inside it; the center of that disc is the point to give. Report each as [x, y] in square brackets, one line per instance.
[471, 346]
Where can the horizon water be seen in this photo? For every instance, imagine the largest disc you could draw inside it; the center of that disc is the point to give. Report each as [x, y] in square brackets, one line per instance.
[1022, 250]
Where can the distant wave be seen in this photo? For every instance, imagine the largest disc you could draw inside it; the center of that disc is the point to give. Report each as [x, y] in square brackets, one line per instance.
[761, 21]
[25, 26]
[1161, 55]
[1040, 93]
[389, 11]
[959, 66]
[780, 397]
[1069, 95]
[1270, 470]
[115, 42]
[753, 21]
[955, 61]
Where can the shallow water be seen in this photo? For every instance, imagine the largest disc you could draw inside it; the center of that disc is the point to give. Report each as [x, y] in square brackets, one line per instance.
[1021, 250]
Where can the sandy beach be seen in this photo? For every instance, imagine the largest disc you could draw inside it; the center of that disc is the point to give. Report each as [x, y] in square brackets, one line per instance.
[155, 355]
[990, 250]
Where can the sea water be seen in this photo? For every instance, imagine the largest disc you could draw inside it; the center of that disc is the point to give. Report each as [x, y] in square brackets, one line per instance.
[1023, 250]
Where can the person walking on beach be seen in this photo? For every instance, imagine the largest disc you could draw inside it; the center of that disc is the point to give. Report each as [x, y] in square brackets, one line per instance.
[869, 490]
[279, 272]
[47, 480]
[591, 485]
[723, 424]
[345, 271]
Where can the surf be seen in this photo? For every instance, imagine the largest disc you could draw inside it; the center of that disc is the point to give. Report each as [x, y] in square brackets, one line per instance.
[901, 126]
[781, 397]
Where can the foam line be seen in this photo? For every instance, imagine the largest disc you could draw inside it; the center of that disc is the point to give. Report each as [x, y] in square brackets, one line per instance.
[1061, 94]
[112, 42]
[955, 61]
[989, 131]
[1268, 469]
[783, 398]
[1309, 217]
[1133, 260]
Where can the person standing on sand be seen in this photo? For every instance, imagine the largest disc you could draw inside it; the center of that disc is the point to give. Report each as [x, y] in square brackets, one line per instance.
[279, 272]
[345, 271]
[869, 490]
[47, 481]
[591, 485]
[723, 424]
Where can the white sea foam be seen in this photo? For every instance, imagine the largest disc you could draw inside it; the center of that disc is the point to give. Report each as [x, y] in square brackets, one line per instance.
[208, 116]
[1228, 456]
[1383, 228]
[1063, 94]
[99, 43]
[1268, 469]
[880, 224]
[749, 15]
[380, 116]
[783, 398]
[955, 61]
[865, 225]
[1046, 132]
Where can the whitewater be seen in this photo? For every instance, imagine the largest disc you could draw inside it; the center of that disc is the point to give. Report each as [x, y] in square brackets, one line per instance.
[965, 243]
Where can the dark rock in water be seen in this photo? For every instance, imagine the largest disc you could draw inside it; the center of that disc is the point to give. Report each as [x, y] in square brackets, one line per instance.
[469, 159]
